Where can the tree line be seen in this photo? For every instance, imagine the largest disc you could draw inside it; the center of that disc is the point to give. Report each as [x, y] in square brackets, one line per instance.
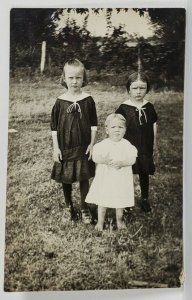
[113, 55]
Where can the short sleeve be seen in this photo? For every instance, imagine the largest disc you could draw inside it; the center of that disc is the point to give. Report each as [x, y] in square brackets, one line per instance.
[54, 116]
[119, 110]
[154, 116]
[93, 113]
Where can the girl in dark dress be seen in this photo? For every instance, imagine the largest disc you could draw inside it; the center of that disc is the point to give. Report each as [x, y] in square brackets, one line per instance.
[141, 130]
[74, 126]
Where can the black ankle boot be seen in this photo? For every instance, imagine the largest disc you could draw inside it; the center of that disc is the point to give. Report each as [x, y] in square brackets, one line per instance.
[145, 205]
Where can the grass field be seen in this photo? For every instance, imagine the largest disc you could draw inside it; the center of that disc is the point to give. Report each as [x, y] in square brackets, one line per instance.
[43, 251]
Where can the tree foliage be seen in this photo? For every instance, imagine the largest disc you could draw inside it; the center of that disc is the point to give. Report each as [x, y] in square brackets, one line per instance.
[162, 55]
[28, 28]
[170, 30]
[169, 23]
[31, 26]
[74, 41]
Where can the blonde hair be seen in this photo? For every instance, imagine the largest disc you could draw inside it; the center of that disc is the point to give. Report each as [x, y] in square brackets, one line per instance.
[76, 63]
[112, 117]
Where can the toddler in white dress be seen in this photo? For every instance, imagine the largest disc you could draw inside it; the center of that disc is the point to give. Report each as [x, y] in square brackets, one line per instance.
[113, 183]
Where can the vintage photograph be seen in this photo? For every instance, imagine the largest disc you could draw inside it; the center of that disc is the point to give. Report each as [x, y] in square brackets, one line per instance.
[95, 149]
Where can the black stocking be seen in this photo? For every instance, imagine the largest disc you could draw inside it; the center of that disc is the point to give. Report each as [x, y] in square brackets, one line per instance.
[84, 188]
[144, 184]
[67, 190]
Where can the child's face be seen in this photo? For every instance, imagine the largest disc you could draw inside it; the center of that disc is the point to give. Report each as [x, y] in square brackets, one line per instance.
[116, 130]
[73, 78]
[138, 90]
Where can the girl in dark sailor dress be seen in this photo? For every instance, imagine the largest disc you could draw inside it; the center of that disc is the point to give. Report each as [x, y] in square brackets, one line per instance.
[74, 125]
[141, 130]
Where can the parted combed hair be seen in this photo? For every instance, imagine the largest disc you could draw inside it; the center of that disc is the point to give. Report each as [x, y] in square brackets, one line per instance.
[134, 77]
[76, 63]
[112, 117]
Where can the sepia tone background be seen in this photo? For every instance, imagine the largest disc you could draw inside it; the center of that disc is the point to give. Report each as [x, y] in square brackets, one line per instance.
[42, 252]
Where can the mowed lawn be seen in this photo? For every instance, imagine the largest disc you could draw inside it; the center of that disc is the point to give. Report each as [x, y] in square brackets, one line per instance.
[43, 250]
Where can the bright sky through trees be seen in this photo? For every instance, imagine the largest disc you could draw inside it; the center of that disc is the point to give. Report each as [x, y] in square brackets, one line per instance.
[97, 24]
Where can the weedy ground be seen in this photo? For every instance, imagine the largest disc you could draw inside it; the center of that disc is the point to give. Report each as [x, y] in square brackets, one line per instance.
[46, 252]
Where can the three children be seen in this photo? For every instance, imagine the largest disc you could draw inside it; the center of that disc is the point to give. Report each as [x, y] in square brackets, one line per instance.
[131, 137]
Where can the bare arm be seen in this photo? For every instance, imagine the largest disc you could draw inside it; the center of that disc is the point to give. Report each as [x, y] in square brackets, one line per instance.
[90, 147]
[155, 135]
[56, 151]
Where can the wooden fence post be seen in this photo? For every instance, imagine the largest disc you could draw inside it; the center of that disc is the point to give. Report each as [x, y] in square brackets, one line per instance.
[43, 55]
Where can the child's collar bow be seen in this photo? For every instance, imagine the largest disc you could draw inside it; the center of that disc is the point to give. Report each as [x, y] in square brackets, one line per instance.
[141, 113]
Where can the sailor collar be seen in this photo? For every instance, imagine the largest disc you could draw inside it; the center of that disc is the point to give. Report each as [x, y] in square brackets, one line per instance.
[82, 96]
[129, 102]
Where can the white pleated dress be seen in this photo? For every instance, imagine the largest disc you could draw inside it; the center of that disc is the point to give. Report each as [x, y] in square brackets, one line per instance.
[113, 187]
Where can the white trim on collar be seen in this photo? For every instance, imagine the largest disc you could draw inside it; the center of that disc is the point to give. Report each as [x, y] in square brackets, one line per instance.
[82, 96]
[129, 102]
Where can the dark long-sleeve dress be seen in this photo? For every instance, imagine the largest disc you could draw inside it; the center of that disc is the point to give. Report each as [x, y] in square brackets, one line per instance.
[73, 122]
[140, 133]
